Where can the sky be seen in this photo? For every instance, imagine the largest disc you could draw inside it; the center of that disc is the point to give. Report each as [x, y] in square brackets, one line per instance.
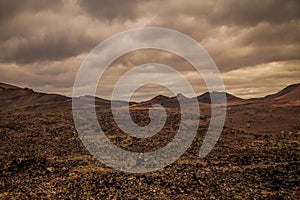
[255, 44]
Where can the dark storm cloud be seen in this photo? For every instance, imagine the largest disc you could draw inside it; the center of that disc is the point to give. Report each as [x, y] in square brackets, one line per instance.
[229, 12]
[271, 35]
[46, 38]
[270, 23]
[12, 8]
[231, 59]
[217, 12]
[46, 47]
[23, 40]
[252, 12]
[112, 9]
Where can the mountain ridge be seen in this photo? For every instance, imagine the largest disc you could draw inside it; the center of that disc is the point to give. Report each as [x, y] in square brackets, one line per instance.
[14, 97]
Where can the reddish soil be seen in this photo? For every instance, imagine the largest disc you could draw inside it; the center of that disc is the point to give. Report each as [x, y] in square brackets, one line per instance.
[42, 157]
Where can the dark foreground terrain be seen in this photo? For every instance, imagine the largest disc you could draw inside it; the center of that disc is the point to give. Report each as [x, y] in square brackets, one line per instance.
[256, 157]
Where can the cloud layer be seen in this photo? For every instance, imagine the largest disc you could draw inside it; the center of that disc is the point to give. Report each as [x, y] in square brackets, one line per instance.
[255, 44]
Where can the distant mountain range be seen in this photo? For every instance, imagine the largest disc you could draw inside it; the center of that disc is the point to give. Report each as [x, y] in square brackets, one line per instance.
[14, 98]
[205, 98]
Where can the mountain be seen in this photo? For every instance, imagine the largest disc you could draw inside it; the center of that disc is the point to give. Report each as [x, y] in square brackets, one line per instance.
[205, 98]
[173, 102]
[25, 99]
[167, 102]
[101, 103]
[5, 86]
[158, 99]
[289, 93]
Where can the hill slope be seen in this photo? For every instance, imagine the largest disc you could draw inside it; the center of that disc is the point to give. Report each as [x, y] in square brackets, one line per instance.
[17, 99]
[289, 93]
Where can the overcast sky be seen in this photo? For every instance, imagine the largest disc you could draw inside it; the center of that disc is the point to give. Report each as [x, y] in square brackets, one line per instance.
[254, 43]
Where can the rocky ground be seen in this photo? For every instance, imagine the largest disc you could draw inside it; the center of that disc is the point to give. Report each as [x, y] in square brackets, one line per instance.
[256, 157]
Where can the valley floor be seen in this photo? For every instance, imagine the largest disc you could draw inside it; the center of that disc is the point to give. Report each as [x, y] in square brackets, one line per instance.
[256, 157]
